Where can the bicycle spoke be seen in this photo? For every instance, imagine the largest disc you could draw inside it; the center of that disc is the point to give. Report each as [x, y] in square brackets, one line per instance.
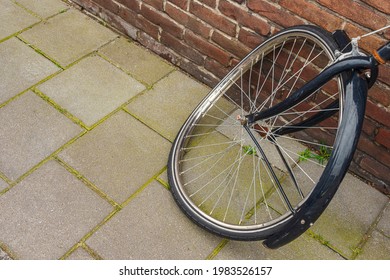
[300, 115]
[233, 177]
[274, 177]
[290, 172]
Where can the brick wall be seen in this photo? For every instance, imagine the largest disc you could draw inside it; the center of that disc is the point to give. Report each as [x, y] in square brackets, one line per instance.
[206, 38]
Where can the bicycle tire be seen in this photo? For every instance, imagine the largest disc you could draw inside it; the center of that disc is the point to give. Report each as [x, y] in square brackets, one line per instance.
[212, 141]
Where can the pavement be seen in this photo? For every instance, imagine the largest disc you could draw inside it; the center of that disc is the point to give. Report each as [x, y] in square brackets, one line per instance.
[87, 118]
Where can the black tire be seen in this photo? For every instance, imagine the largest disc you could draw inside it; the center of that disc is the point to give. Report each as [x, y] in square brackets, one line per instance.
[217, 174]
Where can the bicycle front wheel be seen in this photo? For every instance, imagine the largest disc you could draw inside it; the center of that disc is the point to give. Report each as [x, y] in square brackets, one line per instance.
[246, 187]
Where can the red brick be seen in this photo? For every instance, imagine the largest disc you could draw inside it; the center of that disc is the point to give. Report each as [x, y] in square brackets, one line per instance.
[383, 137]
[162, 20]
[213, 18]
[216, 68]
[380, 94]
[181, 48]
[210, 3]
[183, 4]
[157, 4]
[128, 15]
[375, 168]
[189, 21]
[147, 27]
[384, 74]
[378, 113]
[313, 13]
[139, 22]
[234, 62]
[244, 18]
[273, 13]
[114, 19]
[231, 45]
[356, 12]
[207, 48]
[379, 153]
[134, 5]
[176, 13]
[249, 38]
[387, 34]
[158, 48]
[379, 184]
[369, 126]
[109, 5]
[199, 73]
[381, 5]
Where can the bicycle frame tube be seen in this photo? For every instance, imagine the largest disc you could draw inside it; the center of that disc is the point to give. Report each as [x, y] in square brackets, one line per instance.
[348, 64]
[311, 209]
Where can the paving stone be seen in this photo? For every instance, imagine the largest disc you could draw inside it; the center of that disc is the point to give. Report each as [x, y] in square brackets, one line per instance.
[118, 156]
[91, 89]
[303, 248]
[48, 212]
[350, 214]
[376, 248]
[140, 63]
[151, 226]
[164, 178]
[3, 185]
[81, 36]
[80, 254]
[384, 222]
[169, 103]
[30, 130]
[13, 18]
[4, 256]
[44, 8]
[19, 60]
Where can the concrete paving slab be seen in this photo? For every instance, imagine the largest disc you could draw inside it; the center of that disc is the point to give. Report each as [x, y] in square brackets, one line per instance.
[4, 256]
[375, 248]
[384, 222]
[81, 36]
[140, 63]
[44, 8]
[168, 104]
[350, 214]
[80, 254]
[118, 156]
[3, 185]
[91, 89]
[49, 212]
[303, 248]
[14, 18]
[152, 227]
[31, 130]
[163, 179]
[19, 60]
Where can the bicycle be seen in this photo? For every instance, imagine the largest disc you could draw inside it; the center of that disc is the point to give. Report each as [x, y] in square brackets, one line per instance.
[262, 155]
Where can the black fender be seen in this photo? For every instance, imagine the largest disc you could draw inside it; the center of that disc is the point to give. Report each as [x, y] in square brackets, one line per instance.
[345, 144]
